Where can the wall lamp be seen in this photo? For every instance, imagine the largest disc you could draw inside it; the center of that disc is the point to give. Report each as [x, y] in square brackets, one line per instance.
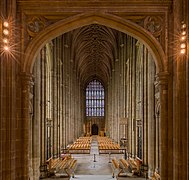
[6, 36]
[183, 39]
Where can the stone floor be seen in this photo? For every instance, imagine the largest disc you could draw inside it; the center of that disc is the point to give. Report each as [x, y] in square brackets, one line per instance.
[95, 166]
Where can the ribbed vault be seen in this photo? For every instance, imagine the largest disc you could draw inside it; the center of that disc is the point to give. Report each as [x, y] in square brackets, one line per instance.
[94, 52]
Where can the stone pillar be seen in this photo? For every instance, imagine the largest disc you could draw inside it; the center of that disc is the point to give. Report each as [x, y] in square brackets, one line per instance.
[128, 106]
[110, 107]
[61, 98]
[180, 96]
[27, 83]
[151, 115]
[161, 79]
[157, 135]
[116, 100]
[55, 97]
[180, 123]
[145, 105]
[10, 120]
[129, 99]
[133, 94]
[36, 143]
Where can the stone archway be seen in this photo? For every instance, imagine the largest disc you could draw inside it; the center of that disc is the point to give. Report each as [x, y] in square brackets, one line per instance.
[116, 23]
[108, 20]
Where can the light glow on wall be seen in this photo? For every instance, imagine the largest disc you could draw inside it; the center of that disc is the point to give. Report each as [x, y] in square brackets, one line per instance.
[183, 39]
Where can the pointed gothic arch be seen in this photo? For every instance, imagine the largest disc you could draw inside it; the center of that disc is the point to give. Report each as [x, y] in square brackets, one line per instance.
[111, 21]
[84, 19]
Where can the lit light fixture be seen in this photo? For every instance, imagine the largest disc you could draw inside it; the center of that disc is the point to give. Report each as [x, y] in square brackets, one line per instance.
[6, 24]
[183, 51]
[5, 32]
[183, 45]
[184, 33]
[183, 26]
[183, 39]
[5, 39]
[6, 48]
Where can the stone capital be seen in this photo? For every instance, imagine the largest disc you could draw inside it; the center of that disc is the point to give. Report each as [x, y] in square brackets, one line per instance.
[161, 79]
[27, 81]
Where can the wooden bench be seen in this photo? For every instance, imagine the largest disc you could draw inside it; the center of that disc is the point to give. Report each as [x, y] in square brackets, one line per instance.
[64, 166]
[72, 164]
[156, 176]
[115, 167]
[135, 165]
[125, 168]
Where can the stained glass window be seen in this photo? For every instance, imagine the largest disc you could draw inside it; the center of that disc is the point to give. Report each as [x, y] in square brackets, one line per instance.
[94, 99]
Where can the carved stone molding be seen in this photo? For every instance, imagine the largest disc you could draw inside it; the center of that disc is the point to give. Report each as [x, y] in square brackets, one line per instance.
[35, 25]
[154, 25]
[27, 85]
[161, 78]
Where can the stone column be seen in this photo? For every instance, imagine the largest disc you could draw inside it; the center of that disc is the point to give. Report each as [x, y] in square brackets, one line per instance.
[61, 98]
[145, 105]
[128, 105]
[157, 129]
[180, 97]
[133, 95]
[161, 79]
[54, 98]
[116, 100]
[180, 123]
[111, 107]
[36, 122]
[151, 115]
[27, 83]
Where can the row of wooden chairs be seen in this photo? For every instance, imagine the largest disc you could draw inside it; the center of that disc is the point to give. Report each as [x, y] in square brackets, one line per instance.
[79, 146]
[107, 143]
[109, 146]
[82, 142]
[64, 166]
[126, 167]
[104, 139]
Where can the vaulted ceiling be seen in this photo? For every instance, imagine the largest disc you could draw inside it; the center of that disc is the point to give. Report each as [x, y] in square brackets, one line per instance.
[94, 52]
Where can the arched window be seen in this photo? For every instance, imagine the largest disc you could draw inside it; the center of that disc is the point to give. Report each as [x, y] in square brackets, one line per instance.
[95, 99]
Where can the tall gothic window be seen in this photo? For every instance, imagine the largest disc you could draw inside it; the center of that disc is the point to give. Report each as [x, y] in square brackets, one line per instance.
[95, 99]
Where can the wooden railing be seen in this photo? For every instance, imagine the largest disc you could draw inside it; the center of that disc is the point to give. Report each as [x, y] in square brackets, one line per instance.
[75, 151]
[112, 151]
